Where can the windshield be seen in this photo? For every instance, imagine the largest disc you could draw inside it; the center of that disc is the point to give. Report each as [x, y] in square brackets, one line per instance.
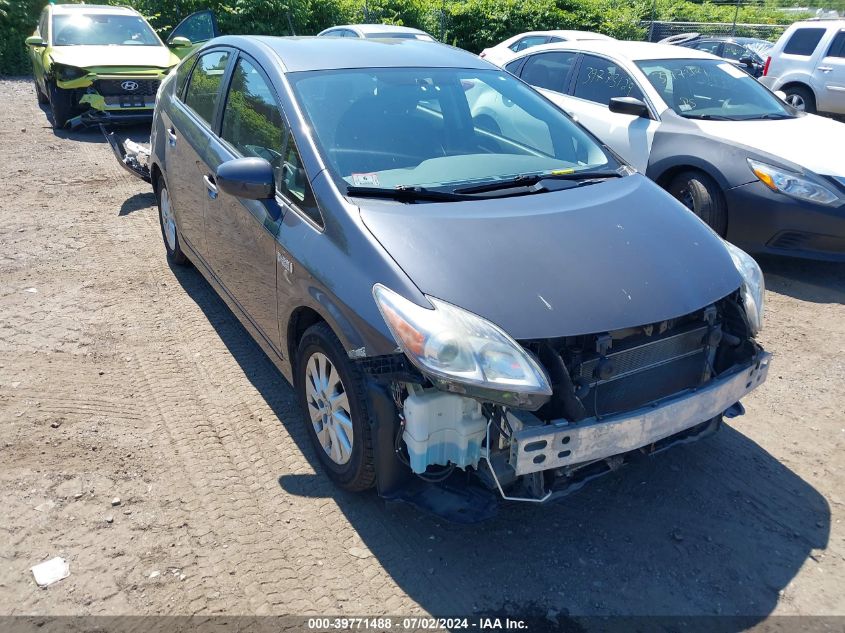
[97, 29]
[761, 47]
[705, 89]
[423, 127]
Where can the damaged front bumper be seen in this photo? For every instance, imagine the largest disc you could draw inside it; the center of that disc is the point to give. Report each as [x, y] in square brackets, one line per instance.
[133, 157]
[113, 99]
[568, 448]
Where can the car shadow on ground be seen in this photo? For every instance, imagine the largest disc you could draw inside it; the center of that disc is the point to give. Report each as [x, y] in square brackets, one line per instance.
[138, 202]
[716, 527]
[804, 279]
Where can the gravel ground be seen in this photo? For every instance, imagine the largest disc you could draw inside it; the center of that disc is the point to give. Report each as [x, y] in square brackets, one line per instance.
[120, 377]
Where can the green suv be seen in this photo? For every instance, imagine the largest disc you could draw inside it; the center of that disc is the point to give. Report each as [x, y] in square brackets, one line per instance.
[102, 64]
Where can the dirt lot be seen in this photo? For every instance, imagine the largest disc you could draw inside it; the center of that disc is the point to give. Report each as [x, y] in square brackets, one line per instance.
[120, 377]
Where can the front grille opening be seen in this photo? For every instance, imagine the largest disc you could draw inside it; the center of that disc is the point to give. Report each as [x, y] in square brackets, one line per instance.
[608, 373]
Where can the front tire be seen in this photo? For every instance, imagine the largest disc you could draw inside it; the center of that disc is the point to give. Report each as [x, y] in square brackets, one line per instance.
[801, 99]
[42, 98]
[61, 106]
[167, 221]
[331, 394]
[699, 193]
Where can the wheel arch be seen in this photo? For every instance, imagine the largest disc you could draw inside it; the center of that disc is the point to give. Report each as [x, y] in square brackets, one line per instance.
[300, 320]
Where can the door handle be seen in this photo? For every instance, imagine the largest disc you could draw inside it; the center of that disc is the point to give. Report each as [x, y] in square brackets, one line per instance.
[171, 136]
[825, 69]
[209, 184]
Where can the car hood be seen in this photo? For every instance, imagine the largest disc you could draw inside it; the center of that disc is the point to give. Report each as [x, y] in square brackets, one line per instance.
[117, 57]
[603, 257]
[811, 141]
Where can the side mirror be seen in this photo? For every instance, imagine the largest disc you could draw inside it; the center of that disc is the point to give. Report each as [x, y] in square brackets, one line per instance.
[629, 105]
[250, 178]
[747, 61]
[178, 42]
[780, 94]
[36, 41]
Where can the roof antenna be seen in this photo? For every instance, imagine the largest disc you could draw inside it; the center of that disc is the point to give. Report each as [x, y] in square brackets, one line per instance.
[290, 25]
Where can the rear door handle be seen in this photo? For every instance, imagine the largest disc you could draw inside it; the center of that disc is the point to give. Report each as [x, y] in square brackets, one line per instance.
[209, 184]
[171, 136]
[825, 69]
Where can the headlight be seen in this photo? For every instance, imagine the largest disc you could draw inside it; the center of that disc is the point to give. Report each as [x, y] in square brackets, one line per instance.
[68, 73]
[462, 352]
[753, 286]
[793, 184]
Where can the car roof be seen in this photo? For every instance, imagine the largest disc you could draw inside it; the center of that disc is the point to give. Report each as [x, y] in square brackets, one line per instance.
[104, 9]
[329, 53]
[569, 34]
[632, 51]
[377, 28]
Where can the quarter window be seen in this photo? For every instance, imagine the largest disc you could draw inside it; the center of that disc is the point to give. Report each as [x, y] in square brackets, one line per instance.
[548, 70]
[803, 42]
[293, 183]
[204, 87]
[599, 80]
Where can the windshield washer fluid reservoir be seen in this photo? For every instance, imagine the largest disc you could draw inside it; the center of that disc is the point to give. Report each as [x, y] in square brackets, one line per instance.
[442, 428]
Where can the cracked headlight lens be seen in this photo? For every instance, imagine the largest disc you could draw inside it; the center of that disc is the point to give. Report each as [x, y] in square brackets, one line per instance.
[793, 184]
[753, 286]
[68, 73]
[453, 345]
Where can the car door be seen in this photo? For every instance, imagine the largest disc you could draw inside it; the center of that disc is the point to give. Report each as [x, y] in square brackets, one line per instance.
[189, 125]
[831, 76]
[597, 81]
[244, 233]
[199, 27]
[37, 53]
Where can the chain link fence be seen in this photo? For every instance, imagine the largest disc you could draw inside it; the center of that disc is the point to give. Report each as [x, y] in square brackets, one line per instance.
[657, 30]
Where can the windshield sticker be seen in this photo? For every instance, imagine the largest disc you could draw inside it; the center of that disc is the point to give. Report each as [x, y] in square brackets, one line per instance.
[733, 71]
[365, 180]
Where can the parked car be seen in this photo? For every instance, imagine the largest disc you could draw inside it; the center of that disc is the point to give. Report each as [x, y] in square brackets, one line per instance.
[767, 177]
[103, 64]
[377, 31]
[808, 64]
[447, 300]
[748, 53]
[504, 51]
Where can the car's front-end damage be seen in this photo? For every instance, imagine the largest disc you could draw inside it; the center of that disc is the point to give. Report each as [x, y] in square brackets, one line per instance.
[110, 95]
[671, 352]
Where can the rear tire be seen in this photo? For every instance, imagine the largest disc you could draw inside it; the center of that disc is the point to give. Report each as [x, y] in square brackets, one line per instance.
[699, 193]
[801, 98]
[61, 106]
[167, 221]
[331, 394]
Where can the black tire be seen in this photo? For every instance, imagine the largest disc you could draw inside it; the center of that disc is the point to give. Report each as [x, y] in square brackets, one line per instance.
[42, 98]
[61, 106]
[701, 195]
[172, 244]
[358, 473]
[801, 98]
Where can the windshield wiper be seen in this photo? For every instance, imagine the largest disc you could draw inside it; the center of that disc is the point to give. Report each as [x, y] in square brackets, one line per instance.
[771, 117]
[528, 180]
[405, 194]
[709, 117]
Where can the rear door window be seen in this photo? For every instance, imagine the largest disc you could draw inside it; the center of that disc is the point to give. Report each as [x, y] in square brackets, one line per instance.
[837, 48]
[548, 70]
[803, 41]
[203, 91]
[599, 80]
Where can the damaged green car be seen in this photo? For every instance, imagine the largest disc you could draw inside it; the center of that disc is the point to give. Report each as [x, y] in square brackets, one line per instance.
[101, 64]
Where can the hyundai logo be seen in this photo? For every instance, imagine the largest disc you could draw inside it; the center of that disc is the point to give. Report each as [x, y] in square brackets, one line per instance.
[129, 86]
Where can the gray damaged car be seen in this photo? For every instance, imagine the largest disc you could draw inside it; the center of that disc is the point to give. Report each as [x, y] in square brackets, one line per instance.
[465, 314]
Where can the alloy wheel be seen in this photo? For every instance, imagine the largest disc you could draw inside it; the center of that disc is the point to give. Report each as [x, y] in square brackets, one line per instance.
[168, 220]
[328, 408]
